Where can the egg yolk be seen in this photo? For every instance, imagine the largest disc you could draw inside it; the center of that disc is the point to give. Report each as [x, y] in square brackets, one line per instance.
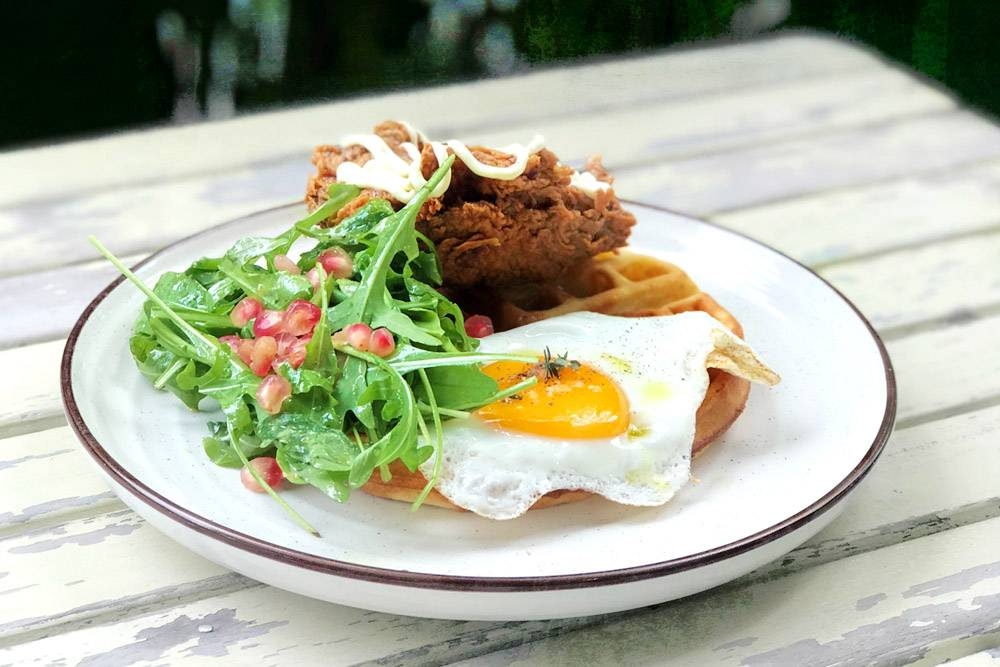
[577, 403]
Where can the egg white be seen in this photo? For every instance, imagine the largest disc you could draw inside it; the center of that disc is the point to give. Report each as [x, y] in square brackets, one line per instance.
[659, 364]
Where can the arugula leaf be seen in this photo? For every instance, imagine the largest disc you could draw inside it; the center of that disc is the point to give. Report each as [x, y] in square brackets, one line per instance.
[222, 452]
[304, 380]
[180, 289]
[319, 349]
[456, 387]
[338, 194]
[313, 441]
[372, 302]
[382, 391]
[251, 248]
[442, 316]
[235, 438]
[354, 233]
[347, 392]
[431, 393]
[409, 358]
[388, 315]
[295, 463]
[401, 435]
[153, 361]
[274, 289]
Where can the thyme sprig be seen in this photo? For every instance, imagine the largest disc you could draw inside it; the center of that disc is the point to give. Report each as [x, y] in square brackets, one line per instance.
[553, 366]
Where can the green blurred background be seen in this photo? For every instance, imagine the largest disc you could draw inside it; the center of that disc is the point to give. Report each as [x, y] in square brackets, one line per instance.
[72, 69]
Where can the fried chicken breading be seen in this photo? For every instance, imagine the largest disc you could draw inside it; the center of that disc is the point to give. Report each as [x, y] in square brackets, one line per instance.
[490, 231]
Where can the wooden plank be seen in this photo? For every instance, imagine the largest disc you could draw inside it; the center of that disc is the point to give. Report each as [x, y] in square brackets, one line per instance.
[45, 477]
[534, 97]
[833, 226]
[932, 594]
[932, 598]
[630, 135]
[64, 291]
[987, 658]
[932, 477]
[949, 279]
[36, 403]
[51, 575]
[733, 180]
[896, 289]
[143, 216]
[960, 361]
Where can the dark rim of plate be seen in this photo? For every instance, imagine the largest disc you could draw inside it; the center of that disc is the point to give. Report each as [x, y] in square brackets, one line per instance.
[288, 556]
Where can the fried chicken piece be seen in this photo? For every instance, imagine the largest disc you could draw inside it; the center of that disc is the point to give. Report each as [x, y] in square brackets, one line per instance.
[490, 231]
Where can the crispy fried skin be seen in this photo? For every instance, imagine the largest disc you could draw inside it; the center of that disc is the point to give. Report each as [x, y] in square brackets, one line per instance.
[488, 231]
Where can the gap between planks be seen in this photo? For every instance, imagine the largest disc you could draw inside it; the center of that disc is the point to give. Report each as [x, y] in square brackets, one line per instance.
[959, 316]
[988, 229]
[654, 161]
[48, 480]
[949, 169]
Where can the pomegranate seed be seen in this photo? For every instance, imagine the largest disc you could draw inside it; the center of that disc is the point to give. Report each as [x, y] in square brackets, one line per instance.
[381, 343]
[269, 323]
[478, 326]
[301, 317]
[245, 350]
[267, 467]
[245, 310]
[337, 263]
[358, 335]
[292, 350]
[285, 342]
[284, 263]
[232, 341]
[265, 349]
[313, 276]
[339, 338]
[272, 392]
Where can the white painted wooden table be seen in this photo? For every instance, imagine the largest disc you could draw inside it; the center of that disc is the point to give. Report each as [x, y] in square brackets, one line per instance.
[879, 181]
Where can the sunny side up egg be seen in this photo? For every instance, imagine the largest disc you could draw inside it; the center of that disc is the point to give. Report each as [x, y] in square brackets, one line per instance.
[621, 425]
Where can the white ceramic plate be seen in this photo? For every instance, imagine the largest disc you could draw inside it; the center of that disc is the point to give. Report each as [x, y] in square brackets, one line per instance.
[775, 479]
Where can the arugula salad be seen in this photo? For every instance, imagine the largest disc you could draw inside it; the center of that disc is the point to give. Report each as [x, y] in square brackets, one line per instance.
[328, 367]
